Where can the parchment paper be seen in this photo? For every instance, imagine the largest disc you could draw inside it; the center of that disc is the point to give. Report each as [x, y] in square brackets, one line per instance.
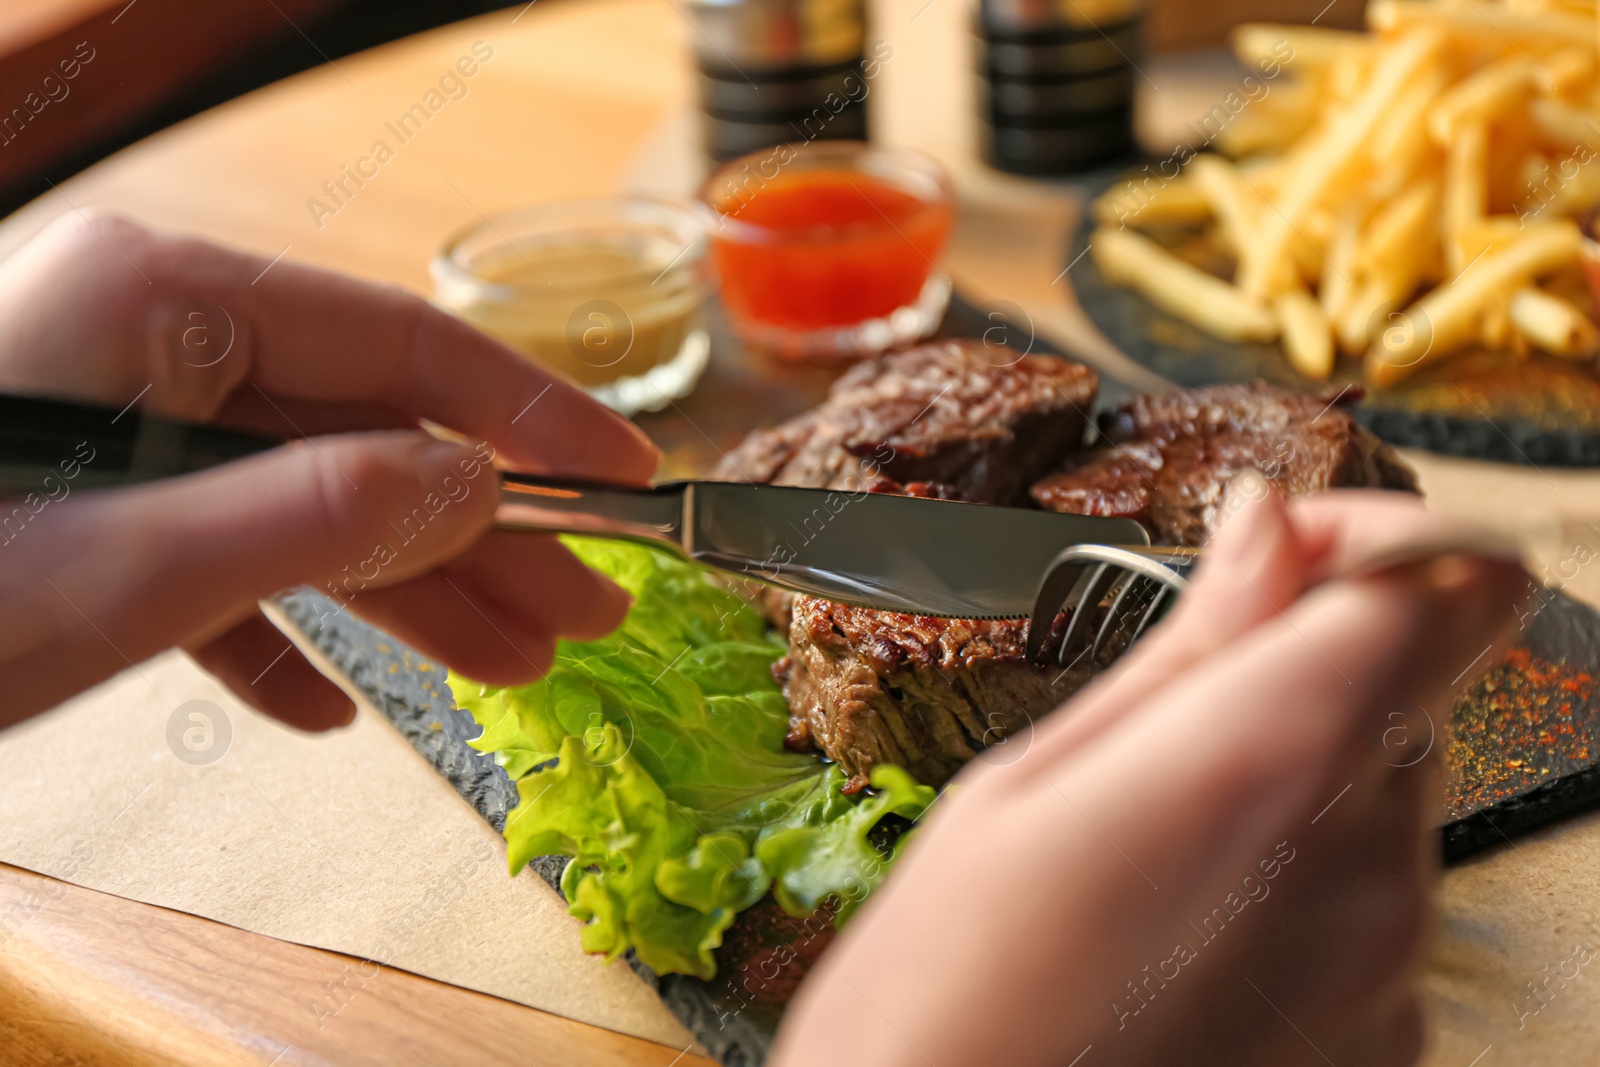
[347, 841]
[1514, 976]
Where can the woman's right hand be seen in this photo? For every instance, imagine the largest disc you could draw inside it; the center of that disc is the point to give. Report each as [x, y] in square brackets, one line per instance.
[1221, 852]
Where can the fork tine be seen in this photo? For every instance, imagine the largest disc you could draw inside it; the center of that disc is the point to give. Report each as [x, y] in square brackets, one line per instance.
[1087, 594]
[1083, 577]
[1163, 591]
[1125, 583]
[1053, 595]
[1139, 581]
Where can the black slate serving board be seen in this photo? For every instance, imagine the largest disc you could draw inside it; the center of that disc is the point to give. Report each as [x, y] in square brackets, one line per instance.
[1549, 782]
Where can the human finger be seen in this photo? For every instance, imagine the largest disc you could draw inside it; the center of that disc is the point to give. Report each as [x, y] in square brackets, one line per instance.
[539, 581]
[496, 612]
[292, 350]
[263, 668]
[106, 579]
[1267, 729]
[477, 636]
[1349, 530]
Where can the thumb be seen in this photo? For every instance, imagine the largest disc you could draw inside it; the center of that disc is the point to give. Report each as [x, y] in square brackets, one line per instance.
[114, 577]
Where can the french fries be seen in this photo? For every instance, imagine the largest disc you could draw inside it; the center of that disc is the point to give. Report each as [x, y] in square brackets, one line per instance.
[1152, 201]
[1187, 291]
[1236, 203]
[1402, 140]
[1448, 318]
[1481, 98]
[1553, 324]
[1401, 237]
[1466, 183]
[1307, 335]
[1338, 275]
[1313, 47]
[1565, 125]
[1488, 24]
[1331, 159]
[1274, 122]
[1409, 193]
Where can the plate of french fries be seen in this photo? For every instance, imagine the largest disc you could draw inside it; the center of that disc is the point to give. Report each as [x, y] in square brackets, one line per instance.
[1407, 209]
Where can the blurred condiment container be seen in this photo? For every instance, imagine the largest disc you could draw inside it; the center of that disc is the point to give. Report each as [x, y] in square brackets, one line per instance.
[610, 292]
[774, 71]
[828, 249]
[1057, 82]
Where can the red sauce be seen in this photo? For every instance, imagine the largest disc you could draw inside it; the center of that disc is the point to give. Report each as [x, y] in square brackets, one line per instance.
[821, 248]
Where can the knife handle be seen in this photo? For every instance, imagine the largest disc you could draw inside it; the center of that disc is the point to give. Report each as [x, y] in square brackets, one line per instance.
[47, 442]
[558, 506]
[44, 442]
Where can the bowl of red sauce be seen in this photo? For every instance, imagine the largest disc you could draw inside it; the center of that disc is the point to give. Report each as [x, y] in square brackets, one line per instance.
[830, 249]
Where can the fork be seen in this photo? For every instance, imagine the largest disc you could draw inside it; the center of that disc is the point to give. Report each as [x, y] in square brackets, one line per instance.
[1134, 585]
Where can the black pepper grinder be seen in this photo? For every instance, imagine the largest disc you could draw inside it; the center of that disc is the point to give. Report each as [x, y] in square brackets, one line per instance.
[1058, 79]
[781, 71]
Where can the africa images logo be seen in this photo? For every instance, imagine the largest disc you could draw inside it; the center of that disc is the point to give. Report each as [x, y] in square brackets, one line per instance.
[199, 732]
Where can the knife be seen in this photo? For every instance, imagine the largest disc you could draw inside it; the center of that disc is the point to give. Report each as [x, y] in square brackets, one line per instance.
[895, 553]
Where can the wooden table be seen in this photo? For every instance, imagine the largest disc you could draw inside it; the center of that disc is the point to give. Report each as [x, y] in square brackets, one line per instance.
[577, 100]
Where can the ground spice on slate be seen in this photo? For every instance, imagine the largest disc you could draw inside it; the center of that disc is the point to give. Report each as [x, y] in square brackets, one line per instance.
[1525, 722]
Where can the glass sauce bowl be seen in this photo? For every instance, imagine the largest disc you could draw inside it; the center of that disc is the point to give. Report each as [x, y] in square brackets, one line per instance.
[829, 248]
[610, 292]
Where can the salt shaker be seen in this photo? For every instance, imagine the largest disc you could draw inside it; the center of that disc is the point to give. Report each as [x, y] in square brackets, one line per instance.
[781, 71]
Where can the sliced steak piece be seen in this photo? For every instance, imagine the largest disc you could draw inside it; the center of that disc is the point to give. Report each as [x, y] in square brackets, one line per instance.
[1169, 458]
[869, 687]
[1115, 482]
[942, 413]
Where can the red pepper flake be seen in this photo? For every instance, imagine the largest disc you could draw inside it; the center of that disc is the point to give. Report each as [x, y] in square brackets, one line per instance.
[1515, 728]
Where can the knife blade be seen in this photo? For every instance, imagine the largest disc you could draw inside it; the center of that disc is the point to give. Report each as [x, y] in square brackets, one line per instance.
[895, 553]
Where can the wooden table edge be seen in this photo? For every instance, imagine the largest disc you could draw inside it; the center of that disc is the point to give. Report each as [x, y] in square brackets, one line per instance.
[176, 989]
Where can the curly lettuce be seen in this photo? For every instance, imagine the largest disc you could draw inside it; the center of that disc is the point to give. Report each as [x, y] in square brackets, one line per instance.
[654, 758]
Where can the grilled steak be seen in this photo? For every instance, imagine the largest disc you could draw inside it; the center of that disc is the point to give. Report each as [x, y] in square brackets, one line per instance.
[942, 414]
[867, 687]
[1169, 458]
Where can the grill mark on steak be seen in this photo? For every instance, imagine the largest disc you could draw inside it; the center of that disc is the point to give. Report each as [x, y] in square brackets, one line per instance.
[1169, 458]
[868, 687]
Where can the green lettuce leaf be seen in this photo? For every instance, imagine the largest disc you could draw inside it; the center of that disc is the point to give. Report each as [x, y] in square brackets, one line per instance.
[671, 788]
[822, 850]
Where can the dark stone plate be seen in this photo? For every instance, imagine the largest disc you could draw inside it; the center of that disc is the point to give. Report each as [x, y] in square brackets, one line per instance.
[1525, 747]
[1541, 411]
